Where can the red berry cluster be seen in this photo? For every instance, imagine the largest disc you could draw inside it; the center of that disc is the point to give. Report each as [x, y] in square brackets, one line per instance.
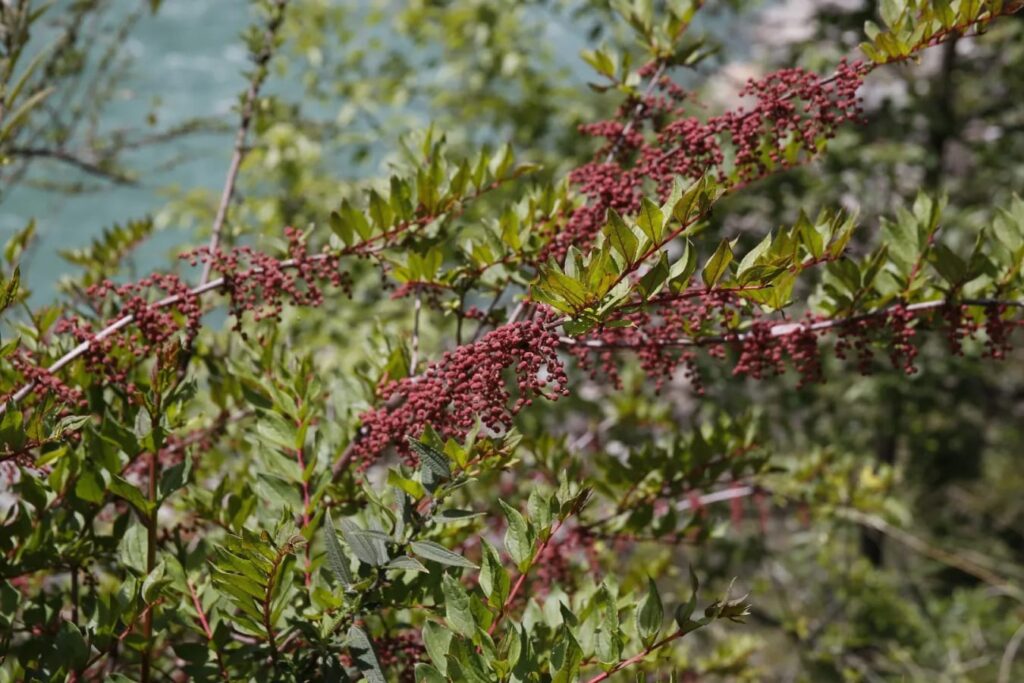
[23, 362]
[656, 335]
[794, 112]
[261, 284]
[760, 352]
[112, 356]
[162, 307]
[553, 566]
[465, 384]
[400, 652]
[653, 334]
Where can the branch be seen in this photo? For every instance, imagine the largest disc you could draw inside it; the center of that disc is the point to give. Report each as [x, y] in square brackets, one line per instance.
[784, 329]
[248, 106]
[64, 156]
[967, 566]
[638, 657]
[522, 577]
[205, 623]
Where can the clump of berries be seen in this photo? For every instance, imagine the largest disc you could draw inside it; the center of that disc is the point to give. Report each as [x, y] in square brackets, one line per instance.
[467, 384]
[795, 112]
[261, 285]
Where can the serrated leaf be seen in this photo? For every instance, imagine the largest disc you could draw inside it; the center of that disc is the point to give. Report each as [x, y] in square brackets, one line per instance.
[651, 220]
[621, 237]
[406, 562]
[458, 612]
[650, 615]
[718, 264]
[436, 641]
[133, 548]
[434, 465]
[449, 516]
[435, 552]
[335, 555]
[425, 673]
[360, 647]
[367, 549]
[494, 580]
[120, 487]
[518, 540]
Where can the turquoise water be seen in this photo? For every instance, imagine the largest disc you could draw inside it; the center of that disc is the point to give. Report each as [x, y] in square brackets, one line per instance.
[187, 61]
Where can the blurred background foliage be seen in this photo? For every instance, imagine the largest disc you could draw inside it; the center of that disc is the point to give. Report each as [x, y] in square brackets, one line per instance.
[888, 541]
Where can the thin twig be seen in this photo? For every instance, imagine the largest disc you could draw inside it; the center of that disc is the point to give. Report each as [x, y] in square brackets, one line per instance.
[1006, 662]
[638, 657]
[415, 344]
[951, 559]
[259, 75]
[635, 116]
[205, 623]
[81, 163]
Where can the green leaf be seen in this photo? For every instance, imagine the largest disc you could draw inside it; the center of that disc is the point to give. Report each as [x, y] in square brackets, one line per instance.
[651, 220]
[457, 607]
[685, 610]
[174, 478]
[450, 516]
[366, 548]
[950, 266]
[425, 673]
[654, 279]
[650, 615]
[434, 465]
[341, 228]
[436, 552]
[335, 556]
[621, 236]
[409, 486]
[682, 270]
[494, 580]
[133, 548]
[406, 563]
[518, 540]
[71, 646]
[121, 488]
[277, 431]
[754, 255]
[566, 657]
[608, 642]
[718, 264]
[10, 289]
[361, 649]
[539, 507]
[436, 640]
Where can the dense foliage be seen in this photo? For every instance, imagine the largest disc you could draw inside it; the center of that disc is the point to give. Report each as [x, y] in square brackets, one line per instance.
[465, 417]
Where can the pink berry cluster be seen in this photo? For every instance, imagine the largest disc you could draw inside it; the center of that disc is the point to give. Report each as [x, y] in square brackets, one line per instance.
[760, 353]
[153, 326]
[656, 336]
[654, 332]
[25, 363]
[465, 384]
[261, 285]
[794, 111]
